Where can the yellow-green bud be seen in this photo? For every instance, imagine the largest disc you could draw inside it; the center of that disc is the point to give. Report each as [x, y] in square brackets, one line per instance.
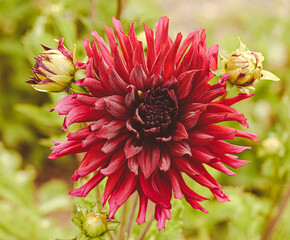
[245, 67]
[54, 69]
[95, 224]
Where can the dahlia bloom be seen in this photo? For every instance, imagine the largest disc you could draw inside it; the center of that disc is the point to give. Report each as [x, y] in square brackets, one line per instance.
[151, 119]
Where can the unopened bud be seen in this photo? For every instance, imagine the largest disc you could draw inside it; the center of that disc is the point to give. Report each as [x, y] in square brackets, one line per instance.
[54, 69]
[245, 67]
[95, 224]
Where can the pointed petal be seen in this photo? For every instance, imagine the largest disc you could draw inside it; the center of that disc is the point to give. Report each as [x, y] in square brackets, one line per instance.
[65, 105]
[248, 135]
[197, 138]
[138, 77]
[231, 160]
[213, 58]
[66, 148]
[113, 182]
[222, 168]
[185, 81]
[153, 195]
[195, 204]
[93, 159]
[130, 98]
[113, 144]
[103, 47]
[142, 208]
[161, 215]
[79, 135]
[116, 82]
[117, 160]
[233, 100]
[115, 105]
[94, 86]
[190, 119]
[111, 130]
[179, 132]
[187, 191]
[63, 50]
[148, 159]
[85, 189]
[132, 147]
[202, 155]
[121, 194]
[169, 62]
[150, 47]
[165, 161]
[179, 148]
[223, 147]
[81, 114]
[133, 165]
[161, 35]
[175, 184]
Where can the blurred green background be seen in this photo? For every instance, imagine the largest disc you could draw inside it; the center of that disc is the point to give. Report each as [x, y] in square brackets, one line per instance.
[34, 203]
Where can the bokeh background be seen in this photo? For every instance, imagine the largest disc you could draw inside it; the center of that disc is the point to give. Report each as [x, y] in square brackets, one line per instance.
[34, 203]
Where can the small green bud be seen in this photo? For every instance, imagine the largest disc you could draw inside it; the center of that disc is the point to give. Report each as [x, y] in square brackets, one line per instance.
[95, 224]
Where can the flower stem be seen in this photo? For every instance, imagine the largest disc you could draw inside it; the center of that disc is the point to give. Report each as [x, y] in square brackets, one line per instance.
[145, 229]
[130, 218]
[273, 222]
[123, 220]
[99, 196]
[112, 235]
[119, 9]
[92, 9]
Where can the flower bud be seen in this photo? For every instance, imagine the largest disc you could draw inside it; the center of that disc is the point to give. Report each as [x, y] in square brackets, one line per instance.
[54, 69]
[95, 224]
[245, 67]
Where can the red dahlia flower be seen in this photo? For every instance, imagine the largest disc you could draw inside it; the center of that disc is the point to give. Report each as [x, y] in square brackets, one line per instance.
[151, 119]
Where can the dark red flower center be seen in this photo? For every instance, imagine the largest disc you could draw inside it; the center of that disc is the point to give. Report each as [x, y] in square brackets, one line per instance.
[156, 112]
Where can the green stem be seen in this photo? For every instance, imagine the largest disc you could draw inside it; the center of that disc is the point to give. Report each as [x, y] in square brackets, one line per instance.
[92, 9]
[112, 235]
[130, 218]
[123, 220]
[119, 9]
[270, 227]
[99, 196]
[145, 229]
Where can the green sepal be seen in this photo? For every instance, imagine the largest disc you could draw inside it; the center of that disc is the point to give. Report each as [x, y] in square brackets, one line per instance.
[219, 72]
[83, 236]
[242, 46]
[266, 75]
[95, 208]
[112, 225]
[78, 89]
